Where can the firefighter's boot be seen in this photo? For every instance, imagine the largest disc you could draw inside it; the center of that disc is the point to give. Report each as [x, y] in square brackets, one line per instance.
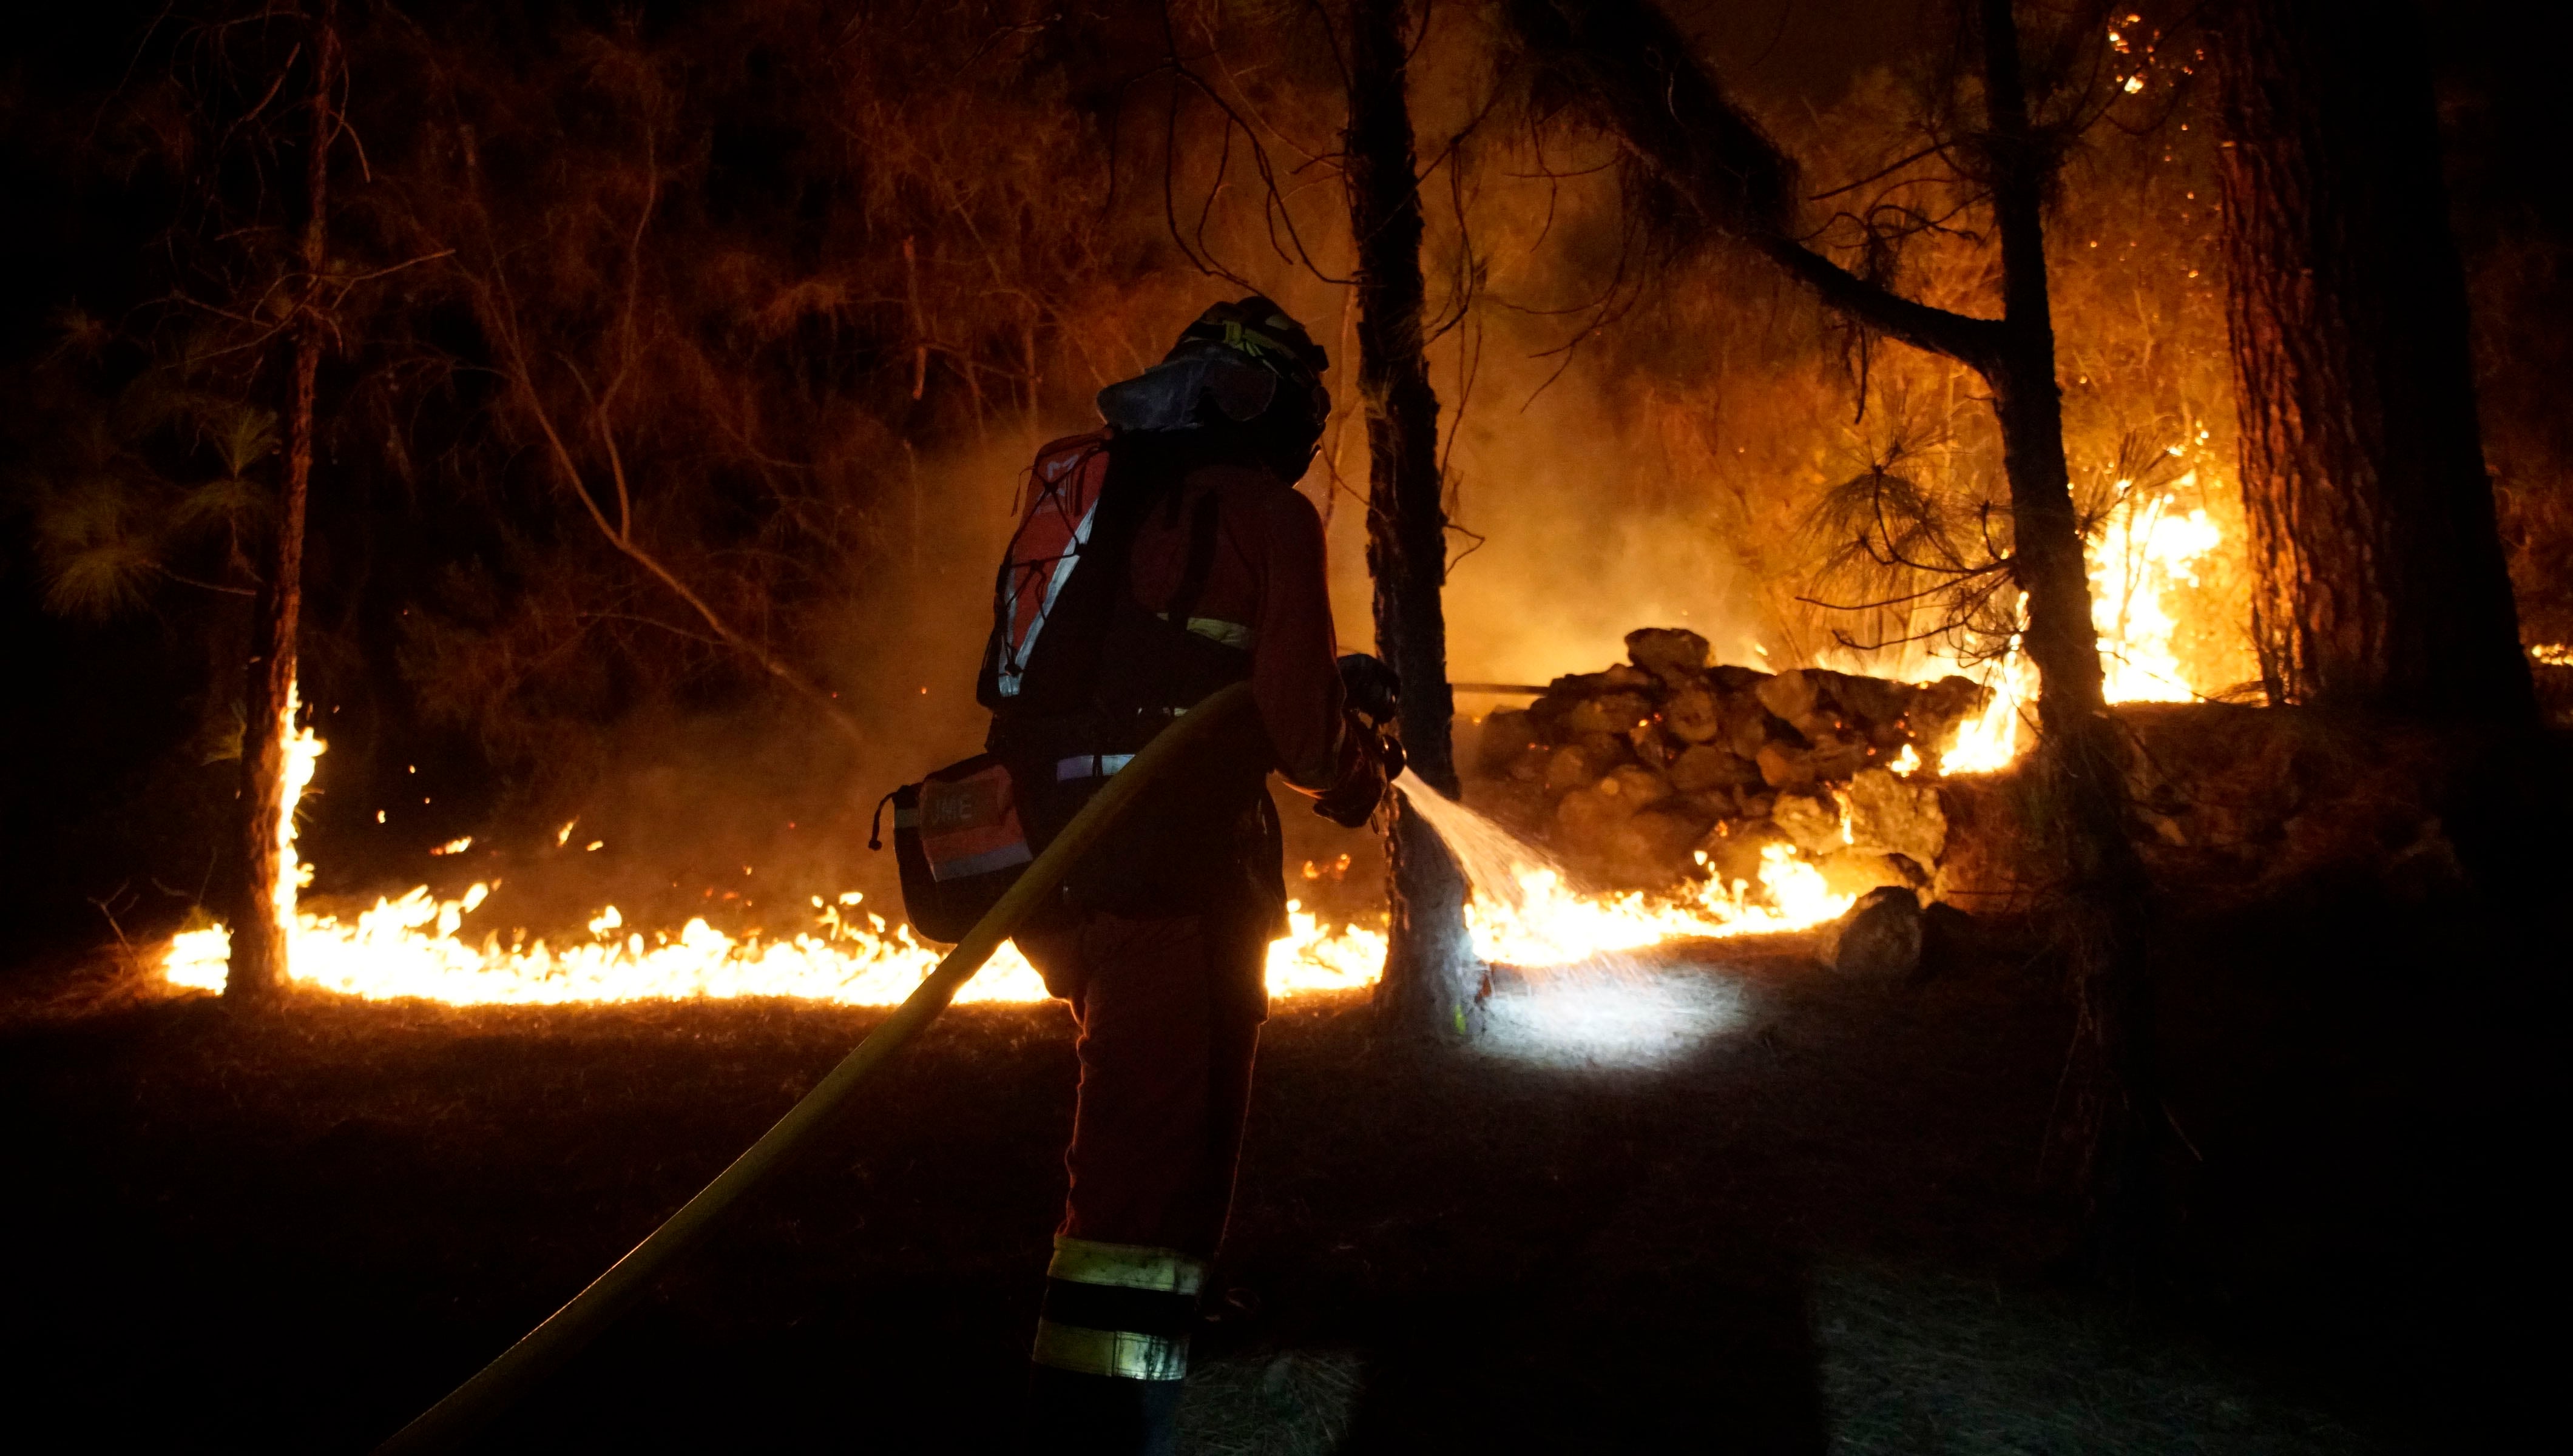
[1111, 1350]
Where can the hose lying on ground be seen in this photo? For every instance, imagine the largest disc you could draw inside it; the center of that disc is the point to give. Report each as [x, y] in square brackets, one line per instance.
[473, 1405]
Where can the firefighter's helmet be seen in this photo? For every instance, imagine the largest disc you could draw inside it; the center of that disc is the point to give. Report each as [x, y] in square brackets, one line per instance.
[1242, 367]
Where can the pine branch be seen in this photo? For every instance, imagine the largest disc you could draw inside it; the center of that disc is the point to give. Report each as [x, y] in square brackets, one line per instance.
[1624, 64]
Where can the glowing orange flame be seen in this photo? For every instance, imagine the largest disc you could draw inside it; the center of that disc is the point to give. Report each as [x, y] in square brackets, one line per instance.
[421, 946]
[2143, 550]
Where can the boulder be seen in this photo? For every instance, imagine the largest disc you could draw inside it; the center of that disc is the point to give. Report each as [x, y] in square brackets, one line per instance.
[1836, 757]
[1652, 847]
[1675, 655]
[1713, 804]
[1692, 713]
[1507, 735]
[1812, 824]
[1704, 744]
[1582, 762]
[1736, 679]
[1614, 712]
[1546, 714]
[1748, 725]
[1626, 677]
[1872, 702]
[1791, 695]
[1652, 746]
[1881, 937]
[1583, 818]
[1784, 768]
[1636, 785]
[1616, 678]
[1705, 766]
[1895, 816]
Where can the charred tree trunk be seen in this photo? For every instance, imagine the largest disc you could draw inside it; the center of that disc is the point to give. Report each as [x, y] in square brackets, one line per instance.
[2380, 578]
[1713, 174]
[2104, 895]
[261, 920]
[1431, 980]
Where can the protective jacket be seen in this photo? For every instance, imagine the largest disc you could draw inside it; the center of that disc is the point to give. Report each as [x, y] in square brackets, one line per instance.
[1143, 578]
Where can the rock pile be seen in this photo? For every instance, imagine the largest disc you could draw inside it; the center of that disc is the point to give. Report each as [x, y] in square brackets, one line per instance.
[1633, 771]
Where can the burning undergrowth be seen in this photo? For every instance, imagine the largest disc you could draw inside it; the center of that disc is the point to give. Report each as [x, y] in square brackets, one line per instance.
[470, 946]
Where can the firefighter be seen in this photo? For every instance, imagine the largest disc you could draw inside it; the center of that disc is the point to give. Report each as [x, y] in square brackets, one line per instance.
[1158, 560]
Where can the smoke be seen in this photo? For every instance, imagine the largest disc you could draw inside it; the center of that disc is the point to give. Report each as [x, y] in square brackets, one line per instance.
[1581, 541]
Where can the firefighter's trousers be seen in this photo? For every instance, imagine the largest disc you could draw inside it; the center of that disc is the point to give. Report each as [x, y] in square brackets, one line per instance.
[1168, 1010]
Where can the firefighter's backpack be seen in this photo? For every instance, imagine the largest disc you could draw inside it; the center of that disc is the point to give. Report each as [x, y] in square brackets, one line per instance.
[959, 842]
[1077, 673]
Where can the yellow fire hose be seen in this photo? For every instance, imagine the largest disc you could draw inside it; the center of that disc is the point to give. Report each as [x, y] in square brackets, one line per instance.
[519, 1368]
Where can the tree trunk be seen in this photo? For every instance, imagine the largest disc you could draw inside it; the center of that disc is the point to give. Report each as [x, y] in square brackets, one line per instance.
[262, 918]
[1433, 981]
[2380, 578]
[2105, 896]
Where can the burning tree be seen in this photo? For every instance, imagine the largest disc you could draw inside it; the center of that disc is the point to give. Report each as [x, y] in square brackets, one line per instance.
[1701, 166]
[245, 141]
[263, 914]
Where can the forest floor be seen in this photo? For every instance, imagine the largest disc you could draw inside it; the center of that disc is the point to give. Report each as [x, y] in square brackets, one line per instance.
[1801, 1213]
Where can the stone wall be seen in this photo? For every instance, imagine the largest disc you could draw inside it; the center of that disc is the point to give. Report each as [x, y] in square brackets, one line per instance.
[1634, 772]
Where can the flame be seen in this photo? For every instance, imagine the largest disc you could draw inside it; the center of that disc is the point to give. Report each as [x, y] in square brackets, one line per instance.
[1547, 924]
[1989, 741]
[2144, 550]
[420, 946]
[2141, 551]
[1524, 913]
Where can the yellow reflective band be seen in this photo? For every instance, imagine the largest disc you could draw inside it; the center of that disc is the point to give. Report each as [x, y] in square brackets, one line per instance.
[1116, 1352]
[1247, 339]
[1124, 1265]
[1216, 630]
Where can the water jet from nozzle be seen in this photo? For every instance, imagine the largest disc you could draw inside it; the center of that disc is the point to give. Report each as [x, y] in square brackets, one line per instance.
[1578, 997]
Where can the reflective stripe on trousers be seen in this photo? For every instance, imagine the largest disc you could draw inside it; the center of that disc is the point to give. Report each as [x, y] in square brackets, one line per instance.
[1119, 1309]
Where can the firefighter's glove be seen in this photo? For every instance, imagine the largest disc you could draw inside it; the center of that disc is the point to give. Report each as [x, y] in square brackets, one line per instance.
[1373, 692]
[1351, 803]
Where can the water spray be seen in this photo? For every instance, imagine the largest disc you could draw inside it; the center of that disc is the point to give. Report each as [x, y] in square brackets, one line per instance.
[1576, 995]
